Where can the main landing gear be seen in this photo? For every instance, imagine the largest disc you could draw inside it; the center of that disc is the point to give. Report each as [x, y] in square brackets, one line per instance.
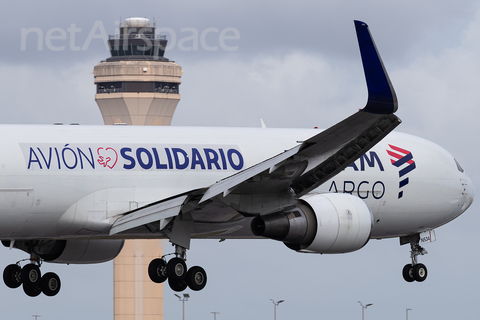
[31, 279]
[175, 271]
[415, 271]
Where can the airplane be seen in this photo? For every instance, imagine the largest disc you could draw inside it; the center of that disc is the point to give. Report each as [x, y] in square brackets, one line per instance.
[73, 194]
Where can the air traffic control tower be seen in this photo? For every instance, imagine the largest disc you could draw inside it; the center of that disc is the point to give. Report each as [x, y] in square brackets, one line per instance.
[137, 85]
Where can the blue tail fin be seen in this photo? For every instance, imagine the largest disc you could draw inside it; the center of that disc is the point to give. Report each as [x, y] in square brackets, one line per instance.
[381, 95]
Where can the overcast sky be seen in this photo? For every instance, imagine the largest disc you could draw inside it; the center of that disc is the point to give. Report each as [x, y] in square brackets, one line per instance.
[293, 64]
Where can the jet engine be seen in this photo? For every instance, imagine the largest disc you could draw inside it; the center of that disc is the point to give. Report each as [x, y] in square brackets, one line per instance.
[72, 251]
[320, 223]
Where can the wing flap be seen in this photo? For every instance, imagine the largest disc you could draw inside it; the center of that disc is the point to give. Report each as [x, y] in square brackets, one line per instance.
[226, 185]
[148, 214]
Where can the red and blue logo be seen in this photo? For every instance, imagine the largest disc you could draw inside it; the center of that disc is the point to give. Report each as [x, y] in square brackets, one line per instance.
[402, 159]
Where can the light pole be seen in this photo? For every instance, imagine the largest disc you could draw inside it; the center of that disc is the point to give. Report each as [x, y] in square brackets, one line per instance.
[407, 312]
[36, 316]
[275, 304]
[363, 309]
[215, 315]
[185, 298]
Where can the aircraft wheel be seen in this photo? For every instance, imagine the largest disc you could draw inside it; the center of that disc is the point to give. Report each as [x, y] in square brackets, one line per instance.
[176, 269]
[196, 278]
[408, 273]
[420, 272]
[157, 270]
[50, 284]
[177, 285]
[31, 275]
[31, 290]
[12, 276]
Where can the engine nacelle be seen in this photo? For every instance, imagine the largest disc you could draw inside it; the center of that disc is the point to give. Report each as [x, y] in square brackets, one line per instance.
[72, 251]
[321, 223]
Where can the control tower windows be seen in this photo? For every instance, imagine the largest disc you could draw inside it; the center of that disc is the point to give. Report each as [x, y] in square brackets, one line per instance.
[138, 86]
[153, 50]
[166, 87]
[109, 87]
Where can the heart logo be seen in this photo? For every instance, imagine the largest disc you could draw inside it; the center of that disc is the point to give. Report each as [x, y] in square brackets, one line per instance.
[107, 157]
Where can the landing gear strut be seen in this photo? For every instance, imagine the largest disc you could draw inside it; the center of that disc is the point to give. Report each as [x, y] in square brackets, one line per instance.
[415, 271]
[176, 272]
[30, 278]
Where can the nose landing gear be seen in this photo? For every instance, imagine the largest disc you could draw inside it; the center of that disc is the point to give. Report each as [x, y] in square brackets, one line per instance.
[30, 278]
[415, 271]
[179, 278]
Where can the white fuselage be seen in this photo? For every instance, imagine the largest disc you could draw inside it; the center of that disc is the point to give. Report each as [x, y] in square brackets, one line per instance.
[74, 181]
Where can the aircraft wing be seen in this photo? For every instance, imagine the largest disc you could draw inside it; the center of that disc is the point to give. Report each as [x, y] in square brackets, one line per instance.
[294, 172]
[316, 160]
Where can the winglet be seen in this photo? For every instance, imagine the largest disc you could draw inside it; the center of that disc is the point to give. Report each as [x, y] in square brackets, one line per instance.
[381, 95]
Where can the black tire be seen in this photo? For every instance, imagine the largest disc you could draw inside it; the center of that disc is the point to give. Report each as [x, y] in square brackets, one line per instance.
[176, 269]
[12, 276]
[196, 278]
[157, 270]
[408, 273]
[31, 291]
[50, 284]
[177, 286]
[31, 275]
[420, 272]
